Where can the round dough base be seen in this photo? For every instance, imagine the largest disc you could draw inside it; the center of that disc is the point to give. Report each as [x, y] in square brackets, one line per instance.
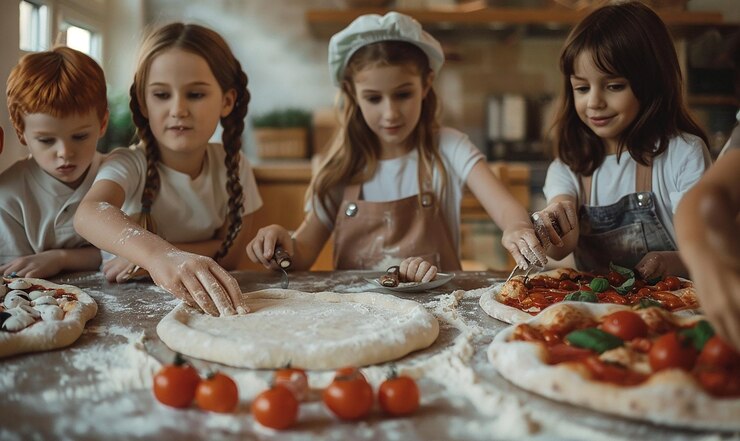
[307, 330]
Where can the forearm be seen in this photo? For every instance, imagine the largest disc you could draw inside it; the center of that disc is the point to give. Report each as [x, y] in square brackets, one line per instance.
[109, 229]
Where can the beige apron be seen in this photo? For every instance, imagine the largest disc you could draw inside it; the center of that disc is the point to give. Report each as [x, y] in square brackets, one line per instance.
[376, 235]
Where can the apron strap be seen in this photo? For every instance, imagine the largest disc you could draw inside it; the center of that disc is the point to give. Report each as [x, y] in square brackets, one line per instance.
[643, 182]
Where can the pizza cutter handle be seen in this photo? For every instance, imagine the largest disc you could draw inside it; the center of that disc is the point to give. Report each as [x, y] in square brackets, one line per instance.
[282, 258]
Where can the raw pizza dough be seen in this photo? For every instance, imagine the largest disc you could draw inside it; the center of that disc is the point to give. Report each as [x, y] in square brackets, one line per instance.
[43, 335]
[308, 330]
[670, 397]
[498, 310]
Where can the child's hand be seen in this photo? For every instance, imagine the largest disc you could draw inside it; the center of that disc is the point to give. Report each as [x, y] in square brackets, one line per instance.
[660, 264]
[262, 248]
[118, 270]
[416, 269]
[198, 281]
[563, 214]
[44, 264]
[524, 246]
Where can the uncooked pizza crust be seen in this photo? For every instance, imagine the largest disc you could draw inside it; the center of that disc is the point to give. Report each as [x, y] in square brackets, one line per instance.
[308, 330]
[671, 397]
[498, 310]
[43, 335]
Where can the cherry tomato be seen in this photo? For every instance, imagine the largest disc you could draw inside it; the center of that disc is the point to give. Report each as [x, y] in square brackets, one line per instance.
[276, 408]
[349, 397]
[217, 393]
[662, 286]
[568, 285]
[672, 283]
[562, 352]
[399, 396]
[625, 325]
[294, 379]
[615, 279]
[175, 384]
[718, 353]
[672, 351]
[613, 373]
[720, 382]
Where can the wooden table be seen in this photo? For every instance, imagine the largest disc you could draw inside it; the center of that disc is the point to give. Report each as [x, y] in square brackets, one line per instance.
[100, 387]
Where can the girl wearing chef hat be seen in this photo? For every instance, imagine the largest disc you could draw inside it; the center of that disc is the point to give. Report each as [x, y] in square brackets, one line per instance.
[390, 186]
[627, 147]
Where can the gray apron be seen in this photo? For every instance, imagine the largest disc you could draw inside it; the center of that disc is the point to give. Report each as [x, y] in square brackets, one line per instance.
[622, 232]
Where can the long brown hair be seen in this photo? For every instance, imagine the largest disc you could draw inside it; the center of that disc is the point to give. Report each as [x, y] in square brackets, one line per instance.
[58, 82]
[353, 156]
[228, 72]
[628, 40]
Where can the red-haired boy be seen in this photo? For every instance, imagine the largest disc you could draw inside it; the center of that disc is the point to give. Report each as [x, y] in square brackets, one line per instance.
[58, 106]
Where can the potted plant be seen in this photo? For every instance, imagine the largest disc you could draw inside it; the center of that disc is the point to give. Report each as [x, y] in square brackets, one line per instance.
[282, 133]
[121, 130]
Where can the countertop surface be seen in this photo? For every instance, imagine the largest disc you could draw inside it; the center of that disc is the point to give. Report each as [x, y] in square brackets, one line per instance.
[100, 387]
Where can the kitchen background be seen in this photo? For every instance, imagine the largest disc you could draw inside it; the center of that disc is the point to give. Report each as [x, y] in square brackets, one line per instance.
[498, 85]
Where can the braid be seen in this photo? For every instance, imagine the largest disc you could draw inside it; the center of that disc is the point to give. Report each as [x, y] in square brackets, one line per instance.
[151, 185]
[233, 125]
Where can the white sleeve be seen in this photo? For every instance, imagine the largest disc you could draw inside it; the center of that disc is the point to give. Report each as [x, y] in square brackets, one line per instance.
[125, 167]
[560, 180]
[251, 200]
[689, 159]
[461, 154]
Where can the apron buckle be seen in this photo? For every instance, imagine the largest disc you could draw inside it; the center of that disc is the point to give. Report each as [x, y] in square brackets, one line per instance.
[351, 210]
[426, 200]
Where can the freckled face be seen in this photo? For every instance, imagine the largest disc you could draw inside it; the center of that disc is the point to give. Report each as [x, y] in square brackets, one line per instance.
[390, 99]
[604, 102]
[64, 147]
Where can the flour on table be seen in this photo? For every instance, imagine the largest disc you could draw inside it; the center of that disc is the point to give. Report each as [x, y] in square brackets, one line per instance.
[323, 330]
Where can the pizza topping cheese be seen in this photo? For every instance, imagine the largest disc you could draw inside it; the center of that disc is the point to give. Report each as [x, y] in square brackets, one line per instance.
[24, 303]
[627, 347]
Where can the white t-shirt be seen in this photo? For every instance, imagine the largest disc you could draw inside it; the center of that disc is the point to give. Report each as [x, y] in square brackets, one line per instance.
[185, 209]
[397, 178]
[36, 210]
[675, 171]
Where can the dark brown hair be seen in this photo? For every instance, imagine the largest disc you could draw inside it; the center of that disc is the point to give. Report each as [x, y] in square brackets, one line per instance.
[228, 72]
[353, 156]
[628, 40]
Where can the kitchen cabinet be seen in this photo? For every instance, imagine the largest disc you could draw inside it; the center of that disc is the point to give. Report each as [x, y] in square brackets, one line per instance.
[283, 185]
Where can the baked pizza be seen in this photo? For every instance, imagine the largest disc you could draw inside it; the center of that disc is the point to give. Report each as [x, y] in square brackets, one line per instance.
[646, 364]
[38, 315]
[522, 297]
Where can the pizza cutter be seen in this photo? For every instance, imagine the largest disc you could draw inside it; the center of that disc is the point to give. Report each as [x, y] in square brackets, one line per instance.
[281, 257]
[537, 223]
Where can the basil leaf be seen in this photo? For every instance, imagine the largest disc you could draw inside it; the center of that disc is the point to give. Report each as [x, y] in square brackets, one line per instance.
[648, 303]
[626, 272]
[699, 334]
[625, 287]
[599, 284]
[582, 296]
[594, 339]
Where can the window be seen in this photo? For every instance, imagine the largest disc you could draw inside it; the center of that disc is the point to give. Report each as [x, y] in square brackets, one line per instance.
[80, 39]
[34, 26]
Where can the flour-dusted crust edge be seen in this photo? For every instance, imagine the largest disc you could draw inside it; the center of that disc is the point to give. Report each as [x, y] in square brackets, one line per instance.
[47, 335]
[385, 345]
[500, 311]
[671, 397]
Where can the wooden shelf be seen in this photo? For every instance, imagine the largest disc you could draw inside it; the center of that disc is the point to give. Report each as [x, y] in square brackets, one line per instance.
[328, 21]
[714, 100]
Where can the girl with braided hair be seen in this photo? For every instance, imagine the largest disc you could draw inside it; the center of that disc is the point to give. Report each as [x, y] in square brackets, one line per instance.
[176, 205]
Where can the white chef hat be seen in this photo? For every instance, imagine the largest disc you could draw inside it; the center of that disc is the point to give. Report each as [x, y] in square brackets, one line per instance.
[373, 28]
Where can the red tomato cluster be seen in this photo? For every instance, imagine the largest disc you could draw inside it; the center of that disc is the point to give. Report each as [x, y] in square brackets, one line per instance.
[350, 396]
[178, 384]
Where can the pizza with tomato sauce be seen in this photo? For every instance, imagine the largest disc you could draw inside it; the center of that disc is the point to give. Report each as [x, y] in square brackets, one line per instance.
[646, 364]
[522, 297]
